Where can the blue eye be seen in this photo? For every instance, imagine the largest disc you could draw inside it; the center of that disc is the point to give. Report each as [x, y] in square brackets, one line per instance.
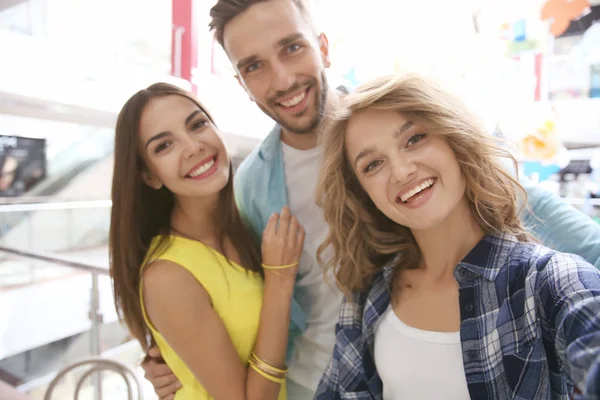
[293, 48]
[415, 139]
[253, 67]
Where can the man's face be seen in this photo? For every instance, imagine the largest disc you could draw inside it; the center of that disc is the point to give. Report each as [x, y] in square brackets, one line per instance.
[280, 62]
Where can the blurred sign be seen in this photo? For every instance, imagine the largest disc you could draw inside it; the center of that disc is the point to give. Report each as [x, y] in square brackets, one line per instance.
[560, 13]
[22, 164]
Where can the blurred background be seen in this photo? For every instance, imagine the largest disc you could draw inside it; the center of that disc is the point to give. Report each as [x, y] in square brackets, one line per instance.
[529, 68]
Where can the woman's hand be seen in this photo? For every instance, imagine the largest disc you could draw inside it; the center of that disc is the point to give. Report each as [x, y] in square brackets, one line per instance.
[282, 244]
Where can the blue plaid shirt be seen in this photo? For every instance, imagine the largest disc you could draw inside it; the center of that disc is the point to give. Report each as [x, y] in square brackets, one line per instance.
[530, 326]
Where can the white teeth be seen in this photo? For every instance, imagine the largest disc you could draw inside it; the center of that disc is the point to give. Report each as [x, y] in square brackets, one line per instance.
[417, 189]
[202, 169]
[295, 101]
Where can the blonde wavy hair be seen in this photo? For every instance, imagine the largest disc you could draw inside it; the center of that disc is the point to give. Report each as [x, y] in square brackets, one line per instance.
[362, 237]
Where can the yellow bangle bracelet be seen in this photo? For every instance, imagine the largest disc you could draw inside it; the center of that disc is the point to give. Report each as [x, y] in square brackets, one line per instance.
[270, 372]
[265, 375]
[279, 266]
[265, 366]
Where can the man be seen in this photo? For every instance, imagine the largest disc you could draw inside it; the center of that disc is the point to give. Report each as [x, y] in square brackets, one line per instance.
[280, 60]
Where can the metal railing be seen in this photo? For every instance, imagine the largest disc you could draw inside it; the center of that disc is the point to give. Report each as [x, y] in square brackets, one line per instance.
[96, 365]
[95, 313]
[61, 205]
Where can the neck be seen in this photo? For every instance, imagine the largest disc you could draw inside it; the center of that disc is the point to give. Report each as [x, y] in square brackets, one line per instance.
[300, 141]
[446, 244]
[309, 140]
[194, 216]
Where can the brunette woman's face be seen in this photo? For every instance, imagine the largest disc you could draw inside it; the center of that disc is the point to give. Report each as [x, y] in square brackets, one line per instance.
[181, 148]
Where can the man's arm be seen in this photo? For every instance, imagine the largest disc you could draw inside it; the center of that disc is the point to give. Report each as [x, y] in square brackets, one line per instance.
[568, 297]
[560, 226]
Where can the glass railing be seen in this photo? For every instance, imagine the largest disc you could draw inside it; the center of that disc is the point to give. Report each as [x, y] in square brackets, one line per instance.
[79, 227]
[57, 313]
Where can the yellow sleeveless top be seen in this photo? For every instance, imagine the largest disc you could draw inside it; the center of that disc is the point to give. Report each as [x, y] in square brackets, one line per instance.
[236, 296]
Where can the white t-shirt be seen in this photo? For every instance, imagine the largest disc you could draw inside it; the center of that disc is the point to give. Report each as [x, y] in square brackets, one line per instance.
[418, 364]
[319, 299]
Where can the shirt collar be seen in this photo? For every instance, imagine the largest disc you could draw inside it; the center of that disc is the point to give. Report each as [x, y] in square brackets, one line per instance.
[271, 144]
[488, 257]
[486, 260]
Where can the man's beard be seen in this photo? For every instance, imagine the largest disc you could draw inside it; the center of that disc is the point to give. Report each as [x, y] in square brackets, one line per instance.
[321, 101]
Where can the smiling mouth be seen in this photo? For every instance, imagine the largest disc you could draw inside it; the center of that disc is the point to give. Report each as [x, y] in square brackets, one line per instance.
[202, 168]
[416, 191]
[294, 101]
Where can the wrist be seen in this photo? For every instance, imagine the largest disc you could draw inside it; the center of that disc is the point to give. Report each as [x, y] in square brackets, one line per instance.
[279, 284]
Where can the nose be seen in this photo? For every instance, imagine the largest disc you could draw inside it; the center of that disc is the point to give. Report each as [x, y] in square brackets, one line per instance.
[403, 169]
[191, 146]
[282, 77]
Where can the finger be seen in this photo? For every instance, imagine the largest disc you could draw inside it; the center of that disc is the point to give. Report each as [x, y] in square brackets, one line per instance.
[154, 352]
[169, 397]
[300, 239]
[284, 221]
[156, 370]
[164, 381]
[166, 391]
[271, 227]
[293, 230]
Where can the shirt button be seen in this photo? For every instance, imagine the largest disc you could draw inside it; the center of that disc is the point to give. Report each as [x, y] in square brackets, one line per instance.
[469, 307]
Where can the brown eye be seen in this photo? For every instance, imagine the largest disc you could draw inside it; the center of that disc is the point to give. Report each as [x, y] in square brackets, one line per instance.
[372, 165]
[162, 147]
[199, 124]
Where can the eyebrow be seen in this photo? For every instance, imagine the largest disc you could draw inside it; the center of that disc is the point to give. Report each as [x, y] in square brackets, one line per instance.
[403, 129]
[398, 132]
[161, 135]
[246, 61]
[192, 115]
[281, 43]
[289, 39]
[363, 154]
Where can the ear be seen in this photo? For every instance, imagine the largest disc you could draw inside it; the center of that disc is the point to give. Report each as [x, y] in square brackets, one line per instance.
[241, 82]
[151, 180]
[324, 48]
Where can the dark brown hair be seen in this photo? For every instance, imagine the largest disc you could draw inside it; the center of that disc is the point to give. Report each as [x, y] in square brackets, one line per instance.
[139, 213]
[226, 10]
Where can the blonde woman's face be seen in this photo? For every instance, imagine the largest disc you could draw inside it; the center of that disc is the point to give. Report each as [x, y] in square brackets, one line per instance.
[411, 175]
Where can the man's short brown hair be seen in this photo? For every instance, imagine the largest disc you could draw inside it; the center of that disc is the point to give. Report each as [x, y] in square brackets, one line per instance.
[226, 10]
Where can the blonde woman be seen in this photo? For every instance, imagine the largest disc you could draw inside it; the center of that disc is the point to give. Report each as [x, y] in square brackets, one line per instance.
[447, 295]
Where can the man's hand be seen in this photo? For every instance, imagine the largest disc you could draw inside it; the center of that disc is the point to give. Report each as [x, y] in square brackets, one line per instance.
[160, 375]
